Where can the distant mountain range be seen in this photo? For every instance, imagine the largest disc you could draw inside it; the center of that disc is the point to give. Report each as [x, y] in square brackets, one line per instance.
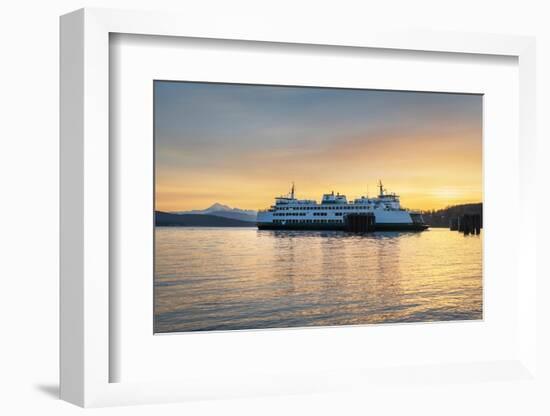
[224, 211]
[168, 219]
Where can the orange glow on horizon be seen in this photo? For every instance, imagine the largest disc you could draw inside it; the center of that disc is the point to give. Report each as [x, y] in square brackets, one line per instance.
[434, 178]
[182, 200]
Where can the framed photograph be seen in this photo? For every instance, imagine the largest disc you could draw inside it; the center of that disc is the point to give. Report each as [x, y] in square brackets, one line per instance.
[224, 150]
[267, 212]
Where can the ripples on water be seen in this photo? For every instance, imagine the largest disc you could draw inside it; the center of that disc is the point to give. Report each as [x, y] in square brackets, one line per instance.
[243, 278]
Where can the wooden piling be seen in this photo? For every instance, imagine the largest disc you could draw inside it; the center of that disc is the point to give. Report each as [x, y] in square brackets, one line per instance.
[477, 224]
[453, 224]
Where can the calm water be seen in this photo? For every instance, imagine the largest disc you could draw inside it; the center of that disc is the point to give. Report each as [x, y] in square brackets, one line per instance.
[241, 278]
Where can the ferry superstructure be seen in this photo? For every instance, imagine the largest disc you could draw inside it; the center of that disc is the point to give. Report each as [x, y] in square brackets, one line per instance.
[381, 213]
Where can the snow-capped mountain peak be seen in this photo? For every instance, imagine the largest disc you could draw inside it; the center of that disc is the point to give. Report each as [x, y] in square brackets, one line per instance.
[218, 207]
[226, 211]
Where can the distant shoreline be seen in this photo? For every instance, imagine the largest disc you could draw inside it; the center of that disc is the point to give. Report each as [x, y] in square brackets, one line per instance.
[166, 219]
[252, 225]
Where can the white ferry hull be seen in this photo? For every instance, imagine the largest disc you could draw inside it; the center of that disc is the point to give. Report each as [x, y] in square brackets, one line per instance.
[341, 227]
[383, 221]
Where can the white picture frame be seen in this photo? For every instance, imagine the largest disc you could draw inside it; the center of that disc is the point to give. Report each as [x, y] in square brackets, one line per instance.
[86, 356]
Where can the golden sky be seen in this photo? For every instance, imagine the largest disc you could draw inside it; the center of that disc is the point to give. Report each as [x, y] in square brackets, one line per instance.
[242, 145]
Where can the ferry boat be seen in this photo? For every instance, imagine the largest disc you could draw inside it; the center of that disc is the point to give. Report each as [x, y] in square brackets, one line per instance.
[381, 213]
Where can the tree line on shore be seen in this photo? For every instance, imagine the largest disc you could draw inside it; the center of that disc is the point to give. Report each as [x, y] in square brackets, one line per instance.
[443, 217]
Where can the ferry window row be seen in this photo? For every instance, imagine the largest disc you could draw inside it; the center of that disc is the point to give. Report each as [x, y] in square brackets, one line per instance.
[303, 214]
[306, 221]
[349, 207]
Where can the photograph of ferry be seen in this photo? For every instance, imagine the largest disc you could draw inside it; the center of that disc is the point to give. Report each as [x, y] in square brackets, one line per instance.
[339, 248]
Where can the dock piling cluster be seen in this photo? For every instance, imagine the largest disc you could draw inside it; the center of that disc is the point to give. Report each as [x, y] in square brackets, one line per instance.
[467, 224]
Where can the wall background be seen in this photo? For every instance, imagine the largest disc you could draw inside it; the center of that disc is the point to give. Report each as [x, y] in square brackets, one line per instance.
[29, 183]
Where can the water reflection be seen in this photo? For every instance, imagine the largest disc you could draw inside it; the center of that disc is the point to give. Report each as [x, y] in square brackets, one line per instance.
[224, 278]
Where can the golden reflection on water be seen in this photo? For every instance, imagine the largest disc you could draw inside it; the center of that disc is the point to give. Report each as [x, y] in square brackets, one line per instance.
[243, 278]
